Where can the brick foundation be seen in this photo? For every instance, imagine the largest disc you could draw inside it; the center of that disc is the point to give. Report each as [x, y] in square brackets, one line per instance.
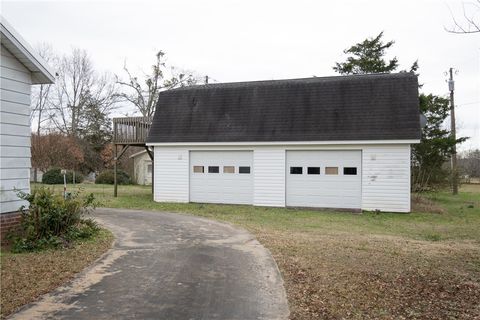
[8, 222]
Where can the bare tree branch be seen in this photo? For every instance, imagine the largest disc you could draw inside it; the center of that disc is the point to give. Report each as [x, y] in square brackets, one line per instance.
[469, 25]
[77, 88]
[145, 97]
[41, 93]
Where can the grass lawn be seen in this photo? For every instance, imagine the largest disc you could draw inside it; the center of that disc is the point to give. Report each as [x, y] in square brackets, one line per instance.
[423, 265]
[26, 276]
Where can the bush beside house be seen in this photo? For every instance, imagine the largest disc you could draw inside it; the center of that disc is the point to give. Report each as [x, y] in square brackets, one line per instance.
[53, 221]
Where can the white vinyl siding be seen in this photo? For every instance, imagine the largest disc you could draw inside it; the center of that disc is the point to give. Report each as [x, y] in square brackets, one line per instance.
[384, 171]
[269, 186]
[15, 84]
[171, 174]
[386, 178]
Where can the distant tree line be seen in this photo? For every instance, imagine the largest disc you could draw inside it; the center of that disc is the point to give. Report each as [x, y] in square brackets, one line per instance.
[469, 163]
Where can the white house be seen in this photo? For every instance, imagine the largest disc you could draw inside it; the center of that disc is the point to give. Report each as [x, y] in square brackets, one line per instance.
[21, 67]
[333, 142]
[142, 168]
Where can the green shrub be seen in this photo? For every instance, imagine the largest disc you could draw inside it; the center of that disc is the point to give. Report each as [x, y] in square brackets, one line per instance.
[52, 221]
[106, 177]
[55, 176]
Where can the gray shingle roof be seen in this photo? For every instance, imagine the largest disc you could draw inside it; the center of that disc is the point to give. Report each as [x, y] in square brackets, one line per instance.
[360, 107]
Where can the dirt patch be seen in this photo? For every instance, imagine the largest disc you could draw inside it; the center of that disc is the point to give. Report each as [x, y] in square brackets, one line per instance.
[425, 205]
[26, 276]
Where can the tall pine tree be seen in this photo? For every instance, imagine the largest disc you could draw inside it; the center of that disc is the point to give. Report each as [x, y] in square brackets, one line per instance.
[436, 145]
[367, 56]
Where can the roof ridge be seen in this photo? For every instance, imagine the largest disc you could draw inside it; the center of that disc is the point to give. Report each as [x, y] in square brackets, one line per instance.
[295, 80]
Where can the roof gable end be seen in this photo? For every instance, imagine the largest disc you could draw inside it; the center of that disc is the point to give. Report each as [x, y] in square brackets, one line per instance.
[20, 49]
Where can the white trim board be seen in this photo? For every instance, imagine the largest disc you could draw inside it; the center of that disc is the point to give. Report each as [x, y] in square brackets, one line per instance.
[285, 143]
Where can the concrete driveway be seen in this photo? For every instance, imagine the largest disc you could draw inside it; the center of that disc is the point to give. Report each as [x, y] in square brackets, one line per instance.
[170, 266]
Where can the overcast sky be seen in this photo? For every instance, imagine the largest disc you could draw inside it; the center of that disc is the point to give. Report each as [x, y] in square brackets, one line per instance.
[255, 40]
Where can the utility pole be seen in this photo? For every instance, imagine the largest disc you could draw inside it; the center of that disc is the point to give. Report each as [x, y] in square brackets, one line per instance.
[206, 79]
[451, 87]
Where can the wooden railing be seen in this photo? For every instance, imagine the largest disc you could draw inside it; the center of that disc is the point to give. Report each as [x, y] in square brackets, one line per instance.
[131, 130]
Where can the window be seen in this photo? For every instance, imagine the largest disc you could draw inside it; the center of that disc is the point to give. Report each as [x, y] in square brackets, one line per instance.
[331, 170]
[350, 171]
[243, 169]
[296, 170]
[213, 169]
[149, 168]
[313, 170]
[198, 169]
[228, 169]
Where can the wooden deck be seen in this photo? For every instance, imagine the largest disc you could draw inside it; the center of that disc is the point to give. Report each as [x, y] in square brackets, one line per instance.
[131, 131]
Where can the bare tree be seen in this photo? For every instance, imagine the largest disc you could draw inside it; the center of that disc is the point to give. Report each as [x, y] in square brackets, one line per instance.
[470, 22]
[469, 162]
[144, 96]
[78, 86]
[56, 150]
[41, 93]
[41, 97]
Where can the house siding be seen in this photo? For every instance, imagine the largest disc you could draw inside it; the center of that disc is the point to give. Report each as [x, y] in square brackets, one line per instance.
[386, 178]
[171, 174]
[15, 161]
[385, 173]
[269, 177]
[140, 163]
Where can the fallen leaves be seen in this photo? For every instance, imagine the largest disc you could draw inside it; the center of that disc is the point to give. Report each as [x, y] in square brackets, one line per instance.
[358, 277]
[26, 276]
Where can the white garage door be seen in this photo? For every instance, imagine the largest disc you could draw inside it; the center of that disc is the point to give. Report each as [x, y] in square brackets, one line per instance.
[221, 177]
[326, 179]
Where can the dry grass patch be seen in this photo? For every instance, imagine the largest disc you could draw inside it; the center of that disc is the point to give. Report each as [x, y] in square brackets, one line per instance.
[423, 265]
[26, 276]
[338, 276]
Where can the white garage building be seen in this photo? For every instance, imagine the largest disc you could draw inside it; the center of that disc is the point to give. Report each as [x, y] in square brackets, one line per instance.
[334, 142]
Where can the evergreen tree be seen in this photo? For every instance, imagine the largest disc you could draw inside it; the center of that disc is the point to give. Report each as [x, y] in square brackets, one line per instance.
[436, 145]
[367, 56]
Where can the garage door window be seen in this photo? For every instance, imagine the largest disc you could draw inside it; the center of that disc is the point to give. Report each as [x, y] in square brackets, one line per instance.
[313, 170]
[228, 169]
[296, 170]
[198, 169]
[331, 170]
[243, 169]
[213, 169]
[350, 171]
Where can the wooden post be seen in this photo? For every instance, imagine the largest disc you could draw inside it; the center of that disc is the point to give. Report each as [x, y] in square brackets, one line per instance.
[115, 159]
[453, 133]
[150, 154]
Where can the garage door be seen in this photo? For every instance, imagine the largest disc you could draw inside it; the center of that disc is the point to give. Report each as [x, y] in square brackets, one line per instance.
[326, 179]
[221, 177]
